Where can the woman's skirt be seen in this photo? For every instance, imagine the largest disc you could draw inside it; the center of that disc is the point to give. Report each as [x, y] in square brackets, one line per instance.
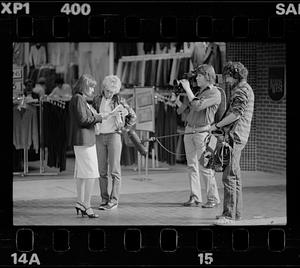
[86, 162]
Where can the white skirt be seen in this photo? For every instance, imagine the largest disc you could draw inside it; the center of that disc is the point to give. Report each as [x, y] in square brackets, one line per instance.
[86, 162]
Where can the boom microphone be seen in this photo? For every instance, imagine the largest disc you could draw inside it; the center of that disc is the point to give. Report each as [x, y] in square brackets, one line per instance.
[137, 142]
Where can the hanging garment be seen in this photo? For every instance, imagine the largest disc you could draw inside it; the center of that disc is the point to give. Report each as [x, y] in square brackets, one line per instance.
[188, 47]
[127, 73]
[170, 129]
[158, 72]
[162, 48]
[138, 73]
[33, 74]
[100, 62]
[125, 49]
[124, 70]
[198, 53]
[160, 128]
[209, 54]
[132, 74]
[55, 53]
[213, 57]
[154, 64]
[147, 76]
[73, 53]
[149, 48]
[85, 63]
[59, 56]
[140, 48]
[120, 67]
[48, 72]
[142, 72]
[55, 129]
[37, 56]
[72, 74]
[183, 67]
[25, 128]
[173, 74]
[179, 46]
[166, 71]
[18, 53]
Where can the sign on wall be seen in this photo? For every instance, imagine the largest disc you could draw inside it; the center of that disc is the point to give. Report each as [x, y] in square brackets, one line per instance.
[144, 101]
[276, 88]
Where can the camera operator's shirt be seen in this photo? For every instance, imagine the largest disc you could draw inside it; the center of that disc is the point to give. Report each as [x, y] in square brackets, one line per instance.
[201, 110]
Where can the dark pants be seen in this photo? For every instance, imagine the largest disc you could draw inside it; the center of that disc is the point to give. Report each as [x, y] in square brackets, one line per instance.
[232, 207]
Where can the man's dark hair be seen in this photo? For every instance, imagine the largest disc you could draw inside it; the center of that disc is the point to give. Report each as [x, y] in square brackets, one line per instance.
[236, 70]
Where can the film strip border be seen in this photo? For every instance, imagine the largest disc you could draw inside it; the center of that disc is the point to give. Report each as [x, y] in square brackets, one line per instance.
[166, 20]
[150, 245]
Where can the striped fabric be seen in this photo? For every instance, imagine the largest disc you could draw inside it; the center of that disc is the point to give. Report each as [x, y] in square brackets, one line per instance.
[242, 104]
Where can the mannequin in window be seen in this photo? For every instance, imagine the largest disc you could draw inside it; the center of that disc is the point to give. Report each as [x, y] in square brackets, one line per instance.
[37, 55]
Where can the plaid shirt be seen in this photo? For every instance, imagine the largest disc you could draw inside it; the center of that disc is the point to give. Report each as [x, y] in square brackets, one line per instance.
[242, 104]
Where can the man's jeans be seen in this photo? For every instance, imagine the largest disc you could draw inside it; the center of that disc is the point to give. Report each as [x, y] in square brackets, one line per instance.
[233, 185]
[109, 148]
[194, 147]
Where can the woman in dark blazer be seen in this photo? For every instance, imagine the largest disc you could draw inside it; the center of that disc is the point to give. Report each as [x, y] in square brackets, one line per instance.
[83, 120]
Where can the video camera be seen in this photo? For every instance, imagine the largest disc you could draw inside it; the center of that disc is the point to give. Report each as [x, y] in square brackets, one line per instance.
[177, 86]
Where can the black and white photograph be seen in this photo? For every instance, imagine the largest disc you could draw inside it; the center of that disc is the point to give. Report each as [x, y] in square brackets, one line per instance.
[149, 133]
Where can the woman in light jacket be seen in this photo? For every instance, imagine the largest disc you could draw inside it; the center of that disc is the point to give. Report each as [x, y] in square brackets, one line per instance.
[109, 142]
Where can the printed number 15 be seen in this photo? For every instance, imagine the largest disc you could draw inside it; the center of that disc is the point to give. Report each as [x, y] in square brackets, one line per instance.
[205, 258]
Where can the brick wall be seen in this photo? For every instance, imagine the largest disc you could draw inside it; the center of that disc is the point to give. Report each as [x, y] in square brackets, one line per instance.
[271, 135]
[266, 148]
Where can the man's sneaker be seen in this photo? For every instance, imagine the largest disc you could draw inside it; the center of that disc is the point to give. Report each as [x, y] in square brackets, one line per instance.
[191, 202]
[210, 204]
[224, 221]
[103, 205]
[111, 205]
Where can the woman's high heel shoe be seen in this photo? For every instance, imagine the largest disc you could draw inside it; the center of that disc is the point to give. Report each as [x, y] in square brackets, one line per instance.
[91, 215]
[80, 208]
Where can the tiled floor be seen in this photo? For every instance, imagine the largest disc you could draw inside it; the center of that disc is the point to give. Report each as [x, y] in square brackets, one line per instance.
[160, 208]
[155, 199]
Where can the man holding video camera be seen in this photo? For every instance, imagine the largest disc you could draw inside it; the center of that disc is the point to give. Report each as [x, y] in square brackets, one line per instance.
[237, 123]
[200, 108]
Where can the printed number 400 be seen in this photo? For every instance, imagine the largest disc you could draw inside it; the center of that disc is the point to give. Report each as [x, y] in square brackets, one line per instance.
[205, 258]
[76, 9]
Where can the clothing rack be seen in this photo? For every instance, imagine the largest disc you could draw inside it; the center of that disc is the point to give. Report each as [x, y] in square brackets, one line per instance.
[41, 148]
[155, 57]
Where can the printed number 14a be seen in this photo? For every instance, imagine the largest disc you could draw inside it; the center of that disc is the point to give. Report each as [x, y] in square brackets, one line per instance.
[205, 258]
[23, 259]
